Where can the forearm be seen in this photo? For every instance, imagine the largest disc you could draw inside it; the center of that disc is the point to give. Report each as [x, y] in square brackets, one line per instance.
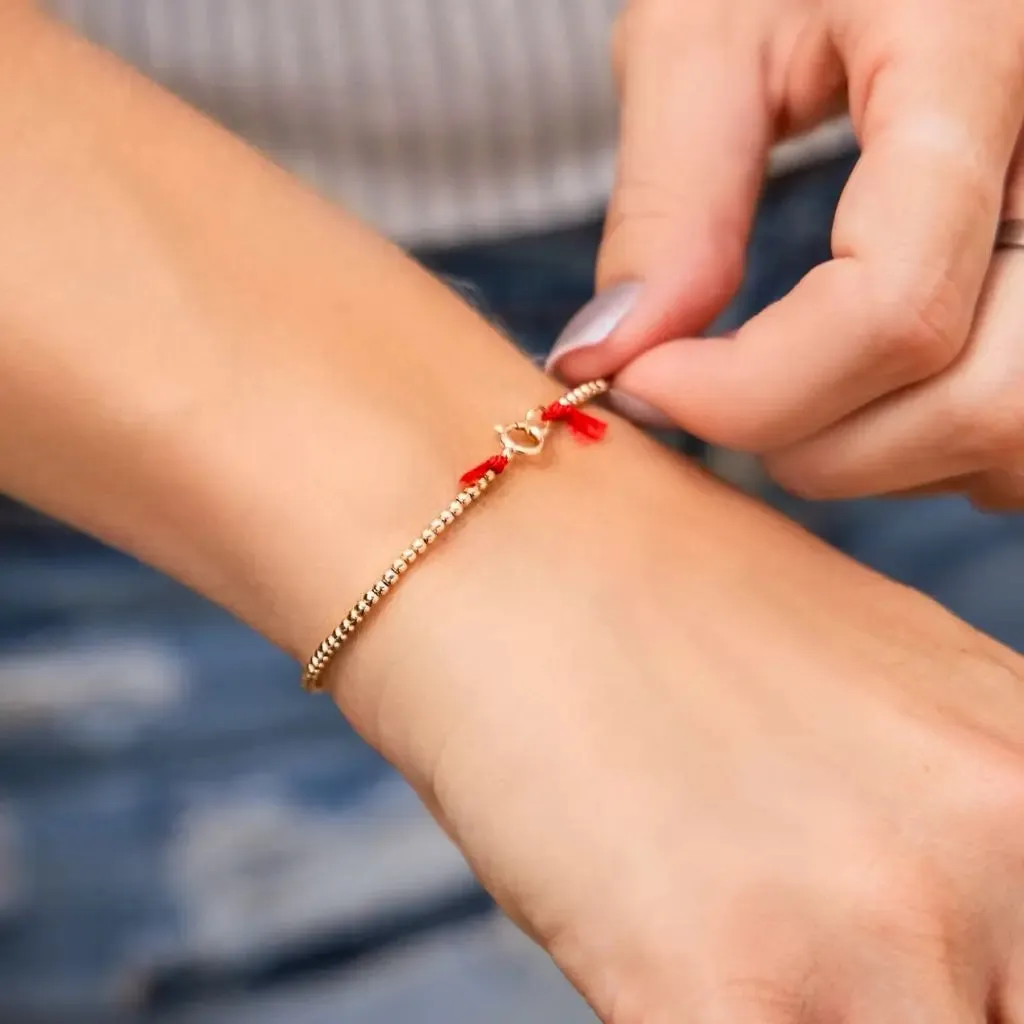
[192, 339]
[208, 366]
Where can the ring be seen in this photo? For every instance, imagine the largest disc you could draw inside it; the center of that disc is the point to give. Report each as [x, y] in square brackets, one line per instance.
[1010, 235]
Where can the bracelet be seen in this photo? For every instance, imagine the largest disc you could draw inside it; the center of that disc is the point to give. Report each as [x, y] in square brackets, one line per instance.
[525, 437]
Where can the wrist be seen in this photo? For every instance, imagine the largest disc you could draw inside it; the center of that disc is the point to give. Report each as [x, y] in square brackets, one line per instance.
[492, 622]
[344, 465]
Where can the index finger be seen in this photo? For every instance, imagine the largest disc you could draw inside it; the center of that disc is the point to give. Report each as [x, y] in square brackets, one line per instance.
[938, 110]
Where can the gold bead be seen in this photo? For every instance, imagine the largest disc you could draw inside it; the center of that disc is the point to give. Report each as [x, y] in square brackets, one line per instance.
[330, 646]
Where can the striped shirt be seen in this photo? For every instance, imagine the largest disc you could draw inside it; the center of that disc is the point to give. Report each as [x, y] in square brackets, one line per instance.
[439, 121]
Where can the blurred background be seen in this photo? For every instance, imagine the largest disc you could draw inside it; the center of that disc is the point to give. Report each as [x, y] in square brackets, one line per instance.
[185, 836]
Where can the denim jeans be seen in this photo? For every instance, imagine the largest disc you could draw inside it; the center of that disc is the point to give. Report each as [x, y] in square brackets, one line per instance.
[183, 831]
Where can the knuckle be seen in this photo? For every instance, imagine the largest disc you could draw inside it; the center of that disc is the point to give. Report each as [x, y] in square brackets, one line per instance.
[971, 163]
[923, 324]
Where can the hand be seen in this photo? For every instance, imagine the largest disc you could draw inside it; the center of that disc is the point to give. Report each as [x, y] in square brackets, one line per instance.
[936, 93]
[719, 771]
[961, 431]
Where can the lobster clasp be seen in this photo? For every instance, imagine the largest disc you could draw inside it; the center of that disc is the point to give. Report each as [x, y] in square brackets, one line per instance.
[524, 437]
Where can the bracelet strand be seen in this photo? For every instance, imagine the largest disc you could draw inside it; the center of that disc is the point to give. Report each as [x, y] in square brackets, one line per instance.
[525, 437]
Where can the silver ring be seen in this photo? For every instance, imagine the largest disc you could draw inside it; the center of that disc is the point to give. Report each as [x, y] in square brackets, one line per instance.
[1010, 235]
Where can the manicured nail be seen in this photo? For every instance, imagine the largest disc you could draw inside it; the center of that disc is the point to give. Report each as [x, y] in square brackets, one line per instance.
[636, 410]
[595, 321]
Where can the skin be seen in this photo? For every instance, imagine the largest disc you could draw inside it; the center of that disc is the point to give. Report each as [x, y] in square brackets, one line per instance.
[717, 770]
[851, 383]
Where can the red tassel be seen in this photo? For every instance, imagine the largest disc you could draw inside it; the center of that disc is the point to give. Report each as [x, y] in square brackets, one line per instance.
[497, 463]
[580, 424]
[586, 427]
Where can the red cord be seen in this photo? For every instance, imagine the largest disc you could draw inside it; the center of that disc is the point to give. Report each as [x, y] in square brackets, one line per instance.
[580, 424]
[497, 463]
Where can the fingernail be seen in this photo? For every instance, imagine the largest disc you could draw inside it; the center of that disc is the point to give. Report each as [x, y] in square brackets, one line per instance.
[595, 321]
[636, 410]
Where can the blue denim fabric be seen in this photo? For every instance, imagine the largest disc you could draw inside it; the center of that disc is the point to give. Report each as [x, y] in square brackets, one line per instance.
[182, 829]
[176, 817]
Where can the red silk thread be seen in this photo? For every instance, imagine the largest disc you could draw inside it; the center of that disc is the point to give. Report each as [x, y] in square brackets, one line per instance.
[495, 463]
[581, 425]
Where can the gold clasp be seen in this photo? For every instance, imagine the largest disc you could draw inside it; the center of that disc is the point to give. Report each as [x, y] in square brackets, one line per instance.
[524, 437]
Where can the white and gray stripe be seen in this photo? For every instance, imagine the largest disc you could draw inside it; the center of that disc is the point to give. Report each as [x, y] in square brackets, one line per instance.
[440, 121]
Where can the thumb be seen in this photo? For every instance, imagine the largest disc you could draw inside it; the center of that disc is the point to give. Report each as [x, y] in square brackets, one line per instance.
[695, 130]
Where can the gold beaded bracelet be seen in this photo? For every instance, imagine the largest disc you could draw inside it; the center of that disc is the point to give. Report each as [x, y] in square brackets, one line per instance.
[524, 437]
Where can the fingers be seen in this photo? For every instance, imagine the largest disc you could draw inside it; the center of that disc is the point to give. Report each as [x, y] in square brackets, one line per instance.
[968, 422]
[911, 242]
[998, 490]
[695, 130]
